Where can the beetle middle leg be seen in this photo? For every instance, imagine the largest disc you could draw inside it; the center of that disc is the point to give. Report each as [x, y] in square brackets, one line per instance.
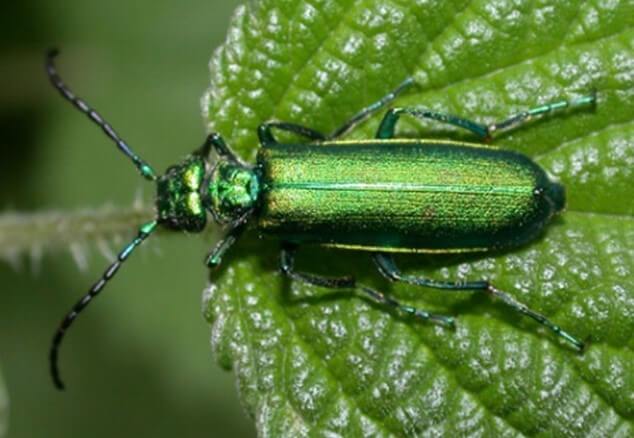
[265, 132]
[371, 109]
[287, 266]
[484, 132]
[391, 118]
[267, 138]
[388, 268]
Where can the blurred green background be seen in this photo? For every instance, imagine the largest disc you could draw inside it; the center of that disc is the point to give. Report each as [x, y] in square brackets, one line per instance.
[137, 362]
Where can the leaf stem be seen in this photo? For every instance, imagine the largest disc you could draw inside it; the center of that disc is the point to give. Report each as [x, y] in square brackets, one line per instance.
[32, 234]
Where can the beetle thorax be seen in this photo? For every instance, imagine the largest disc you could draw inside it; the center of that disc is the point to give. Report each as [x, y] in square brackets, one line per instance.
[233, 191]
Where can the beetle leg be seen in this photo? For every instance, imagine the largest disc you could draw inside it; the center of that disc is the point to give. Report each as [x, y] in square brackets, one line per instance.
[386, 128]
[526, 116]
[265, 130]
[267, 138]
[485, 132]
[371, 109]
[216, 142]
[387, 301]
[387, 267]
[287, 264]
[214, 258]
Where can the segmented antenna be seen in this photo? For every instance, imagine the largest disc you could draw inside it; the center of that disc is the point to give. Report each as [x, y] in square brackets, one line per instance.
[144, 232]
[145, 169]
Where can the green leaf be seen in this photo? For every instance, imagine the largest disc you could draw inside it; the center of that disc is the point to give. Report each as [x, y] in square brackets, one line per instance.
[308, 360]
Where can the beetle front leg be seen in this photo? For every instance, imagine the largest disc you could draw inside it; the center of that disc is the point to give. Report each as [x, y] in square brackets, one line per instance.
[387, 267]
[216, 142]
[214, 258]
[265, 132]
[386, 301]
[287, 266]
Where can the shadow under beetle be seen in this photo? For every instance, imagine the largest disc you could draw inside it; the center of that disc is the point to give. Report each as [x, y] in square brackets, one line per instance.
[382, 195]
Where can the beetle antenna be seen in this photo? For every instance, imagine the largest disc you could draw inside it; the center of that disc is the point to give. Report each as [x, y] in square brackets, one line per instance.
[145, 169]
[144, 232]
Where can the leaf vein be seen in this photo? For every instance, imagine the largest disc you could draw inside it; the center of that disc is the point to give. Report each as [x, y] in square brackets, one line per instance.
[527, 61]
[582, 136]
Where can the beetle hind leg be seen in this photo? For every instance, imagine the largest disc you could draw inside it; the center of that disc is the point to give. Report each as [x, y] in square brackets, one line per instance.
[484, 132]
[387, 267]
[523, 117]
[287, 266]
[407, 310]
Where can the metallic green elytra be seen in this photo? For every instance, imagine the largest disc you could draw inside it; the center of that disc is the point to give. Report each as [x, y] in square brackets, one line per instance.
[421, 196]
[382, 195]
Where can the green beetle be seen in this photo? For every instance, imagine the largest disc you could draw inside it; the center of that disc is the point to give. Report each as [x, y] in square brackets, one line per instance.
[381, 195]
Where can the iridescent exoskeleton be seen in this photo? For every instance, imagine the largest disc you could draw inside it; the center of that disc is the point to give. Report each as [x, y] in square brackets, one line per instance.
[382, 195]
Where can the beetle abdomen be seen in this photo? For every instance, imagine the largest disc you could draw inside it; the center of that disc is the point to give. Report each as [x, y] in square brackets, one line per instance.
[402, 195]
